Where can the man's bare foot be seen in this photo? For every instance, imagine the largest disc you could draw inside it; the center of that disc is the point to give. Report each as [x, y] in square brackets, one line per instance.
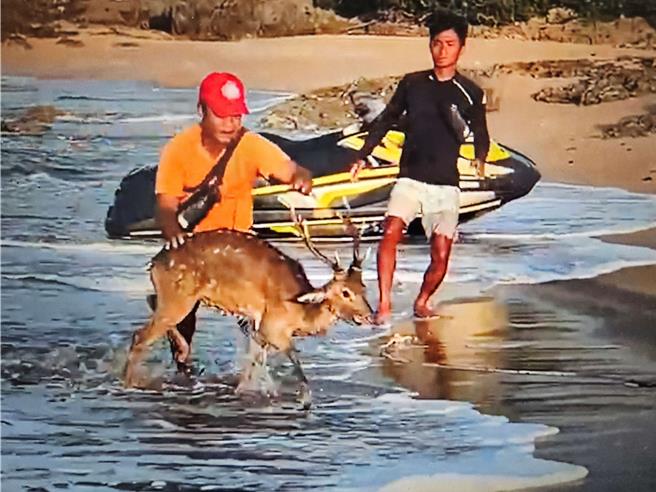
[424, 312]
[382, 317]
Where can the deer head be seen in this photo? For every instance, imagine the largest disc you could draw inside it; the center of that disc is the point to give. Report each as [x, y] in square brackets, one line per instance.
[345, 293]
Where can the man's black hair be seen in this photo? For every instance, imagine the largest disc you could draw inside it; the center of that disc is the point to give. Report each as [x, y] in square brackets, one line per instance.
[443, 20]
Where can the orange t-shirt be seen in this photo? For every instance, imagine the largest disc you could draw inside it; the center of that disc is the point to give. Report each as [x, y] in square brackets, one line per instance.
[184, 163]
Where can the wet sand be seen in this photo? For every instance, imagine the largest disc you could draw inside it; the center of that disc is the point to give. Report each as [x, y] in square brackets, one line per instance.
[553, 359]
[579, 355]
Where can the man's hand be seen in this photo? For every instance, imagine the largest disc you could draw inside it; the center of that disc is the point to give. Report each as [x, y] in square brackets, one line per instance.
[174, 242]
[356, 167]
[167, 219]
[302, 180]
[479, 165]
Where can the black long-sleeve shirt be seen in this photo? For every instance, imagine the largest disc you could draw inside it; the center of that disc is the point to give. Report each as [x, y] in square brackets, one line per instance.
[431, 147]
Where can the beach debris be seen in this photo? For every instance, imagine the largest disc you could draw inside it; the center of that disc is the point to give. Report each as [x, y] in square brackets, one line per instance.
[367, 106]
[397, 342]
[389, 22]
[632, 126]
[18, 40]
[127, 44]
[75, 43]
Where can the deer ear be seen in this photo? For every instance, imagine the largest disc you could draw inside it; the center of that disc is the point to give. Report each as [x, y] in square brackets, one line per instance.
[312, 297]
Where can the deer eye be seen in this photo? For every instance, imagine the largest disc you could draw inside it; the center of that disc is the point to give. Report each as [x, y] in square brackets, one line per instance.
[346, 293]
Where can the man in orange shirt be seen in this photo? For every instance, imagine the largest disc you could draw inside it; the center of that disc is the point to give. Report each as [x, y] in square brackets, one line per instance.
[188, 158]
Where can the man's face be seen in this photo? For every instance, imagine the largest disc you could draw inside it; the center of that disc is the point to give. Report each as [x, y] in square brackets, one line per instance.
[221, 128]
[445, 49]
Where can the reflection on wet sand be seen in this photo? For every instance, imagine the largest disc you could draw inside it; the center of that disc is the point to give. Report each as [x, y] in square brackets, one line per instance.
[416, 348]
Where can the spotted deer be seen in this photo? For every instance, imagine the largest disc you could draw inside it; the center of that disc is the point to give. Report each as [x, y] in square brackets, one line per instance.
[243, 275]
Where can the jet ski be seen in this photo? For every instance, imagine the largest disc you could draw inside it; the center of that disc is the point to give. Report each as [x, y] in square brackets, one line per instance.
[508, 175]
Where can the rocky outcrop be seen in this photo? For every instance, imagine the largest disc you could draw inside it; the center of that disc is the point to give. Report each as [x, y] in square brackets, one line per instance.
[625, 32]
[604, 82]
[196, 19]
[38, 18]
[338, 107]
[33, 121]
[235, 19]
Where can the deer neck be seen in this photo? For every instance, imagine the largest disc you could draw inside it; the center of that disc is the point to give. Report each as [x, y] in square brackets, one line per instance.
[319, 317]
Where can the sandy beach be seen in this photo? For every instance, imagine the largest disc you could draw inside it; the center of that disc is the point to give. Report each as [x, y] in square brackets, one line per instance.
[617, 308]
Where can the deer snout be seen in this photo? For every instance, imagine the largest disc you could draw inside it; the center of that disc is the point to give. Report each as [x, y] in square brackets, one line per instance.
[365, 319]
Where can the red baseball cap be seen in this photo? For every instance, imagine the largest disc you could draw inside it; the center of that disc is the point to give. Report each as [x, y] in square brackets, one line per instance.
[224, 94]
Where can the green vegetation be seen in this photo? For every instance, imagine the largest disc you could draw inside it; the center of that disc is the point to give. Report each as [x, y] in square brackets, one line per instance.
[495, 12]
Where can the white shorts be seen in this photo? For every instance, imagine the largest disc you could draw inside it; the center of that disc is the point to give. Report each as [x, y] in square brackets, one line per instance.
[438, 205]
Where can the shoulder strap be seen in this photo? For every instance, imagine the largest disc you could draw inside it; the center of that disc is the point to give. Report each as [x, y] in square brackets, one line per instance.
[215, 176]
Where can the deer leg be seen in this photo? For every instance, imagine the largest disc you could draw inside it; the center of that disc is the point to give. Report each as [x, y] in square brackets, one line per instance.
[304, 392]
[161, 322]
[181, 346]
[141, 340]
[180, 341]
[257, 356]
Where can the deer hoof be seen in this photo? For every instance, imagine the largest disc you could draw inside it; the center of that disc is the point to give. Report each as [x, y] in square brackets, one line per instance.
[189, 370]
[305, 396]
[129, 379]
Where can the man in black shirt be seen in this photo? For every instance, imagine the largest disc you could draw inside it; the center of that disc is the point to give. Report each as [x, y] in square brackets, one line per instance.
[440, 108]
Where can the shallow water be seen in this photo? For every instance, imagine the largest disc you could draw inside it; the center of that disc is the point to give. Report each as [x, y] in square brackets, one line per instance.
[71, 298]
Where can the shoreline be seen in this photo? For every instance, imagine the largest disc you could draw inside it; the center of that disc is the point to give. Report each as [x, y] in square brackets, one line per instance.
[635, 280]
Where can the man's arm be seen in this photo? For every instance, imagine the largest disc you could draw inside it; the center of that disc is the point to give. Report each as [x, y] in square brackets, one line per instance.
[481, 135]
[166, 213]
[379, 127]
[274, 163]
[385, 120]
[168, 194]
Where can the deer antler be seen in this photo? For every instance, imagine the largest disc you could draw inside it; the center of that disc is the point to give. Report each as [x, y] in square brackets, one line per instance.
[356, 234]
[302, 227]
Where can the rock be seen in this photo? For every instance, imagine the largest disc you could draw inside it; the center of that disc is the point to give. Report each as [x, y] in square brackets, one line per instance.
[560, 15]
